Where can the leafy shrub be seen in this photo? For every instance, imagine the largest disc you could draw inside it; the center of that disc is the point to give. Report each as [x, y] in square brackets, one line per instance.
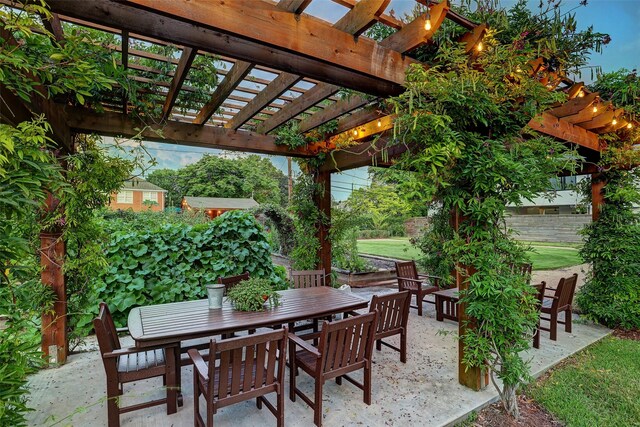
[374, 234]
[253, 294]
[611, 293]
[172, 262]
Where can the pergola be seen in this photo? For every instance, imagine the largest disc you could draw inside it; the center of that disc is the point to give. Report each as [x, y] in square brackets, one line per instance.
[282, 65]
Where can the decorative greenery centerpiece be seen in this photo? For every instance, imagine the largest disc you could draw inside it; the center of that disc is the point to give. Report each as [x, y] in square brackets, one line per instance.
[253, 294]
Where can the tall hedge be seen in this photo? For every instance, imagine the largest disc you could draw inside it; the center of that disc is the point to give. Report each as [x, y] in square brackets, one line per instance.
[172, 262]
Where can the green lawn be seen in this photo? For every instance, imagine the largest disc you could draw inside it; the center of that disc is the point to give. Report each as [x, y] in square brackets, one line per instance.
[543, 257]
[600, 386]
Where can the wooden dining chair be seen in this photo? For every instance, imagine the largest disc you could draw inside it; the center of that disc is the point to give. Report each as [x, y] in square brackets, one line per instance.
[230, 281]
[559, 302]
[307, 278]
[393, 317]
[523, 270]
[419, 285]
[247, 367]
[302, 279]
[540, 289]
[345, 346]
[124, 365]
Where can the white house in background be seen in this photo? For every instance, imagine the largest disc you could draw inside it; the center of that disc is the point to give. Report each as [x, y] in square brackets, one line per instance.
[566, 200]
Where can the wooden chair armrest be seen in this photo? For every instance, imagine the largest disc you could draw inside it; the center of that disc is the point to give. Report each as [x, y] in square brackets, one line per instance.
[123, 352]
[304, 345]
[352, 313]
[199, 364]
[550, 289]
[121, 330]
[429, 276]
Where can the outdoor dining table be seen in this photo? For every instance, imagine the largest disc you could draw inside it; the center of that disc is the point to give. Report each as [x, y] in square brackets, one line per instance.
[170, 324]
[447, 304]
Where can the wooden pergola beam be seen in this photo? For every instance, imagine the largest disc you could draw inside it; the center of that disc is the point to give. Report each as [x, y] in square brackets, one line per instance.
[602, 120]
[116, 124]
[414, 34]
[558, 128]
[294, 6]
[125, 65]
[357, 119]
[298, 105]
[280, 84]
[574, 106]
[587, 114]
[280, 34]
[383, 18]
[186, 59]
[237, 73]
[365, 154]
[473, 37]
[353, 22]
[54, 26]
[341, 107]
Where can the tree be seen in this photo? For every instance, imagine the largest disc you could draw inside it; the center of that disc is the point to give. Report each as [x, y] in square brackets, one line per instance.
[611, 293]
[215, 176]
[467, 119]
[379, 207]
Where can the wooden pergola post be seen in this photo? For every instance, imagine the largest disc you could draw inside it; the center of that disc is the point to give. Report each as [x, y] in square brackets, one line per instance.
[467, 376]
[54, 324]
[597, 195]
[323, 202]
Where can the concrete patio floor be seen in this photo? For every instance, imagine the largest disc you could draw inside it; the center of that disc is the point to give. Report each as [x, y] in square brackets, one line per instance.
[423, 392]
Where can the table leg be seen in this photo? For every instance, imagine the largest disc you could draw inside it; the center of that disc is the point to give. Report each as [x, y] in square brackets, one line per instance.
[439, 308]
[178, 362]
[172, 386]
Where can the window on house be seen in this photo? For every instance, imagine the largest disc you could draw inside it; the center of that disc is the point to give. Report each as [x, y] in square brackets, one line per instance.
[125, 197]
[150, 196]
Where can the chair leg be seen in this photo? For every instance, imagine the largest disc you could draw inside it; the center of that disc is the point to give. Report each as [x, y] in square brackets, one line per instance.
[367, 384]
[536, 336]
[419, 303]
[567, 320]
[339, 380]
[317, 410]
[196, 398]
[113, 401]
[403, 346]
[259, 402]
[280, 411]
[292, 373]
[378, 345]
[553, 326]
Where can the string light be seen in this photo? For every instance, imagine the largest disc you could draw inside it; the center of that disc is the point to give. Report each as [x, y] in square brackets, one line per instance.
[479, 47]
[379, 123]
[581, 94]
[595, 108]
[427, 22]
[614, 122]
[355, 132]
[518, 69]
[629, 125]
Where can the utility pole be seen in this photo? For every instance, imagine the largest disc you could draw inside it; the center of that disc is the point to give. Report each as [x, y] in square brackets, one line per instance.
[290, 175]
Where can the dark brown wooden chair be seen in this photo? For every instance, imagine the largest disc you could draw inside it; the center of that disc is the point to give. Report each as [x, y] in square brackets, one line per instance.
[419, 285]
[522, 269]
[345, 346]
[306, 279]
[230, 281]
[540, 289]
[558, 303]
[124, 365]
[393, 316]
[249, 367]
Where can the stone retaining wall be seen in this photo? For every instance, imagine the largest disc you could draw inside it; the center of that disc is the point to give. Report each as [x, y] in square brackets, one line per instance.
[549, 228]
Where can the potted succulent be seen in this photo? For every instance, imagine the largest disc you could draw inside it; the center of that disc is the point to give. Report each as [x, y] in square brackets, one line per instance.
[253, 295]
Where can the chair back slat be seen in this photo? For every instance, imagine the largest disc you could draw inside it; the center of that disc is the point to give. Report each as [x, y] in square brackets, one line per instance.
[307, 278]
[523, 270]
[247, 363]
[230, 281]
[540, 289]
[347, 342]
[565, 290]
[393, 310]
[106, 330]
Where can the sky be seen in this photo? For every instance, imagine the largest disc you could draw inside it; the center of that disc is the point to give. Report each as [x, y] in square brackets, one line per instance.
[619, 18]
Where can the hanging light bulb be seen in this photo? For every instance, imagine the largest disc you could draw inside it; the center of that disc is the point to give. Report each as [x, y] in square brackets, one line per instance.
[614, 122]
[629, 125]
[427, 22]
[518, 69]
[595, 108]
[355, 132]
[379, 123]
[581, 94]
[479, 47]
